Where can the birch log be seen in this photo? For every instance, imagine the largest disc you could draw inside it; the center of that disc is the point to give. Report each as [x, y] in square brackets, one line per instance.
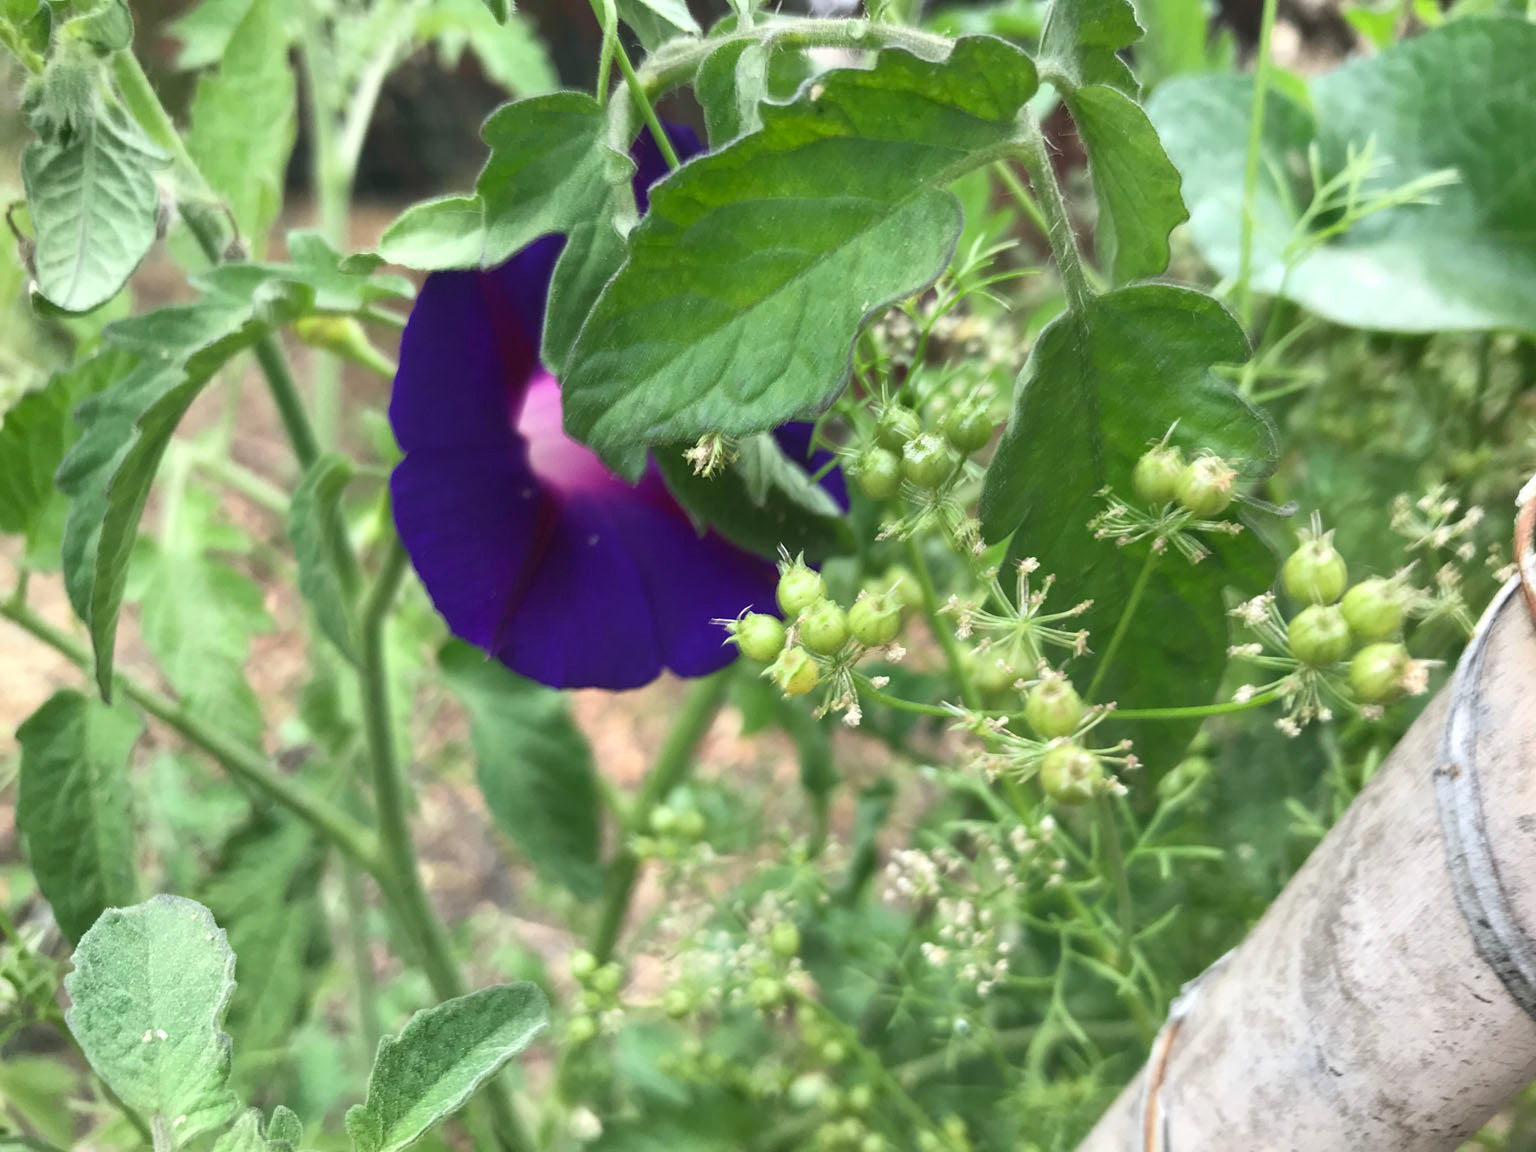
[1385, 1002]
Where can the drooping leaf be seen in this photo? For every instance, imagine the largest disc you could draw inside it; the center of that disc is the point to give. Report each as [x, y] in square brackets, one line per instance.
[761, 500]
[755, 266]
[657, 21]
[440, 1058]
[730, 84]
[1453, 100]
[92, 197]
[205, 30]
[1100, 387]
[243, 124]
[266, 892]
[533, 766]
[1082, 39]
[124, 430]
[510, 52]
[74, 806]
[147, 997]
[106, 26]
[550, 171]
[1136, 185]
[315, 525]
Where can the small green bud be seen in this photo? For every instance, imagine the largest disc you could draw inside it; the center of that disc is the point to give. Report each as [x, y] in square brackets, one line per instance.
[968, 427]
[794, 671]
[873, 1142]
[1070, 774]
[1206, 486]
[582, 965]
[1315, 573]
[824, 628]
[895, 426]
[1373, 609]
[1053, 709]
[691, 824]
[766, 993]
[662, 820]
[1186, 772]
[606, 980]
[928, 461]
[834, 1052]
[784, 939]
[805, 1090]
[1318, 635]
[878, 471]
[580, 1030]
[861, 1099]
[874, 620]
[1156, 477]
[990, 674]
[799, 588]
[831, 1098]
[760, 637]
[900, 585]
[677, 1004]
[1376, 672]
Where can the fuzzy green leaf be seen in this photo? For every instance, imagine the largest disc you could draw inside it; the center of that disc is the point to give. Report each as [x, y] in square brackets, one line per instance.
[92, 197]
[315, 525]
[1455, 99]
[1082, 39]
[440, 1058]
[550, 171]
[730, 84]
[34, 433]
[74, 806]
[205, 30]
[1099, 387]
[749, 278]
[533, 766]
[657, 21]
[243, 122]
[510, 52]
[148, 995]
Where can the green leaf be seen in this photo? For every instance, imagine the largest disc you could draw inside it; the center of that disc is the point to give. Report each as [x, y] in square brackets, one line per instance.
[1136, 185]
[1081, 41]
[198, 615]
[510, 52]
[761, 500]
[125, 429]
[500, 9]
[533, 766]
[244, 1135]
[74, 806]
[730, 84]
[1099, 387]
[92, 197]
[107, 27]
[315, 525]
[657, 21]
[550, 171]
[266, 892]
[750, 276]
[148, 994]
[243, 122]
[439, 1059]
[285, 1125]
[205, 31]
[1175, 41]
[1455, 98]
[34, 434]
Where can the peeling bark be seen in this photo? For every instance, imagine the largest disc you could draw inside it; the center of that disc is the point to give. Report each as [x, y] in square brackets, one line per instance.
[1385, 1001]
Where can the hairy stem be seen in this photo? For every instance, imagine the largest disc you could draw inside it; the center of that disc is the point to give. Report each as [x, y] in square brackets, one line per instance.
[246, 764]
[672, 767]
[1036, 159]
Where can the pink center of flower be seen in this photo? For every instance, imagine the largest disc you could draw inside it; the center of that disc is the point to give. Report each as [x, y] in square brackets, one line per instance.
[566, 465]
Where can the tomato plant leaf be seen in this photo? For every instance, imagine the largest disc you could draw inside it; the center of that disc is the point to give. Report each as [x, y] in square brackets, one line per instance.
[442, 1055]
[315, 525]
[510, 52]
[1461, 257]
[148, 994]
[1100, 386]
[755, 266]
[657, 21]
[74, 808]
[1082, 39]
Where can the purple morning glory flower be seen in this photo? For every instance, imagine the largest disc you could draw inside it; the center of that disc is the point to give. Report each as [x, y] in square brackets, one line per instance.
[529, 547]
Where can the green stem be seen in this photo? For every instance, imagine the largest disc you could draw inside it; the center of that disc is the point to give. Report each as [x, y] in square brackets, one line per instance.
[398, 854]
[1261, 77]
[242, 762]
[362, 959]
[1196, 712]
[1114, 855]
[643, 103]
[1123, 626]
[944, 634]
[1058, 230]
[673, 764]
[290, 405]
[1022, 198]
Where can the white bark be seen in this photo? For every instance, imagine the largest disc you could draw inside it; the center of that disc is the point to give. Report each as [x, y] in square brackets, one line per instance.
[1360, 1014]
